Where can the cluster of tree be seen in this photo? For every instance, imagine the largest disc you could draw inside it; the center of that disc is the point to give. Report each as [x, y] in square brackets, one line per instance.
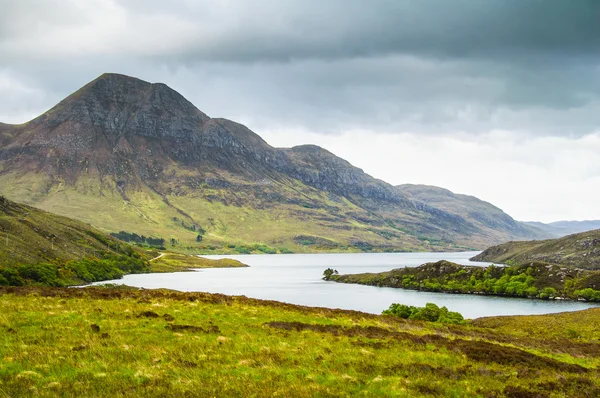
[257, 247]
[329, 272]
[131, 237]
[543, 281]
[110, 266]
[511, 282]
[430, 312]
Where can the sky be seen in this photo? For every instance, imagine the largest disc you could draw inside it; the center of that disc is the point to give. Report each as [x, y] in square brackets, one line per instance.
[498, 99]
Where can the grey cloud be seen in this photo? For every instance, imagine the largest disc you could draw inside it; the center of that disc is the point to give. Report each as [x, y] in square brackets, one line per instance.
[283, 31]
[416, 65]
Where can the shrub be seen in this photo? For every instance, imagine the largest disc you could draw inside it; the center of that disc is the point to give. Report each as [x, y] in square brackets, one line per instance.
[588, 294]
[430, 313]
[548, 293]
[45, 274]
[400, 310]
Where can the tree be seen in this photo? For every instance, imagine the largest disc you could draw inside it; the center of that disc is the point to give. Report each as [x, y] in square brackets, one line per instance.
[199, 238]
[328, 273]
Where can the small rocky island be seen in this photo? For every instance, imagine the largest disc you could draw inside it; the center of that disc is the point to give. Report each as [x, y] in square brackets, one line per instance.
[532, 280]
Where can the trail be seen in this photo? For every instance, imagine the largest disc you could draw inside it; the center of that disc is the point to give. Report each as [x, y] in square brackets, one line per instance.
[157, 257]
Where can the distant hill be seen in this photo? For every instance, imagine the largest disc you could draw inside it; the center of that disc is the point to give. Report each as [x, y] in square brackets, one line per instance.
[481, 214]
[578, 250]
[563, 228]
[126, 155]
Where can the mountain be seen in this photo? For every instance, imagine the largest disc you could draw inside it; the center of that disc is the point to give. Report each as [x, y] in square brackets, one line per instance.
[482, 215]
[563, 228]
[127, 155]
[578, 250]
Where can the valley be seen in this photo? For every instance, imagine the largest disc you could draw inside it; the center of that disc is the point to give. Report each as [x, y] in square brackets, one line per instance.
[299, 199]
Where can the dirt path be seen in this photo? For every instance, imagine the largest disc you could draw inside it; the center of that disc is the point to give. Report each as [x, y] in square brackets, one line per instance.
[157, 257]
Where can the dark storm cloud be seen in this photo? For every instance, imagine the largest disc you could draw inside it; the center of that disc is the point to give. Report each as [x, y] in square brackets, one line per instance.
[522, 29]
[418, 65]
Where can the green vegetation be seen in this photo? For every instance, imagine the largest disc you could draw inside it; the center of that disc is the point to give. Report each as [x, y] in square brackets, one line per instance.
[32, 236]
[74, 272]
[107, 342]
[40, 248]
[430, 312]
[242, 217]
[533, 280]
[329, 272]
[138, 240]
[579, 250]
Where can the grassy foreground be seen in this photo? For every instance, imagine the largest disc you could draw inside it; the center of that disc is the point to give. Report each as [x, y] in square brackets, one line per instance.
[128, 342]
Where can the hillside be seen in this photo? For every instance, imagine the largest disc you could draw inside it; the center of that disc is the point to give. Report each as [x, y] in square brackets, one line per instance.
[579, 250]
[32, 236]
[41, 248]
[126, 155]
[131, 343]
[483, 215]
[558, 229]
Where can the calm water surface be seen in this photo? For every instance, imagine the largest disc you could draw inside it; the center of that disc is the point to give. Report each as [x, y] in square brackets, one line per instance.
[296, 278]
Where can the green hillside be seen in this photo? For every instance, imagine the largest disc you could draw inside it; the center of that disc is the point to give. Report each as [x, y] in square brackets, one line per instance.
[31, 236]
[40, 248]
[579, 250]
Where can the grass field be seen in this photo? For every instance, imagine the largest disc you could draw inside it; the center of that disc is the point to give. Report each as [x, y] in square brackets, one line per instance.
[127, 342]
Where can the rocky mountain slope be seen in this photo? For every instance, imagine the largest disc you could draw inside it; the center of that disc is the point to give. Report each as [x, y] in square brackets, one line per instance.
[124, 154]
[579, 250]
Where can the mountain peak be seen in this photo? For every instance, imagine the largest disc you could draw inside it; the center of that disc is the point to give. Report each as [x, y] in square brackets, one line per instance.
[116, 105]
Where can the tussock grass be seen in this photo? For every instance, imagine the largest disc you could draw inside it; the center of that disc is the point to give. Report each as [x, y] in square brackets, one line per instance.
[128, 342]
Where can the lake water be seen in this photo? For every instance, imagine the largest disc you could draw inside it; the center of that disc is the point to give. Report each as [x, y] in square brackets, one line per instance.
[296, 279]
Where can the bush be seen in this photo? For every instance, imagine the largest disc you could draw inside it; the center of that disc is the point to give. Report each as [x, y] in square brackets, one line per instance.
[548, 293]
[400, 310]
[44, 274]
[242, 250]
[430, 313]
[588, 294]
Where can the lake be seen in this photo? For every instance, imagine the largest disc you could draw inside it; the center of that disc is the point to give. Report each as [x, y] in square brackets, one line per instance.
[296, 279]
